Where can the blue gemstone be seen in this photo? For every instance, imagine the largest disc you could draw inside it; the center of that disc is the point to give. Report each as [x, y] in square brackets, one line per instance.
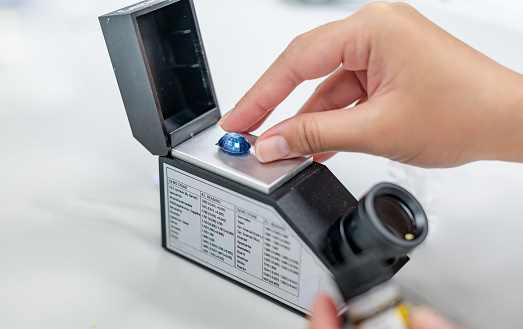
[234, 143]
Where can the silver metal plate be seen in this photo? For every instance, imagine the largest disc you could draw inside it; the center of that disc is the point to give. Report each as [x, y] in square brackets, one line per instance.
[202, 151]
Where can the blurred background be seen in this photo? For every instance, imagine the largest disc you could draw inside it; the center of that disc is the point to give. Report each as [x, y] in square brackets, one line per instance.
[80, 240]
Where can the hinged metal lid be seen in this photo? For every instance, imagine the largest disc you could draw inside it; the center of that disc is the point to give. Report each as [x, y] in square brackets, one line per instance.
[159, 62]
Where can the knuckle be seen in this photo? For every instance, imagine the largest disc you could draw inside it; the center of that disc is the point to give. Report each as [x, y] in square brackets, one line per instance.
[402, 5]
[296, 43]
[307, 136]
[292, 75]
[283, 57]
[377, 8]
[382, 12]
[287, 61]
[388, 18]
[297, 40]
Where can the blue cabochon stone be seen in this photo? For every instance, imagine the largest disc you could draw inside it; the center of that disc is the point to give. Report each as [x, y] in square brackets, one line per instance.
[234, 143]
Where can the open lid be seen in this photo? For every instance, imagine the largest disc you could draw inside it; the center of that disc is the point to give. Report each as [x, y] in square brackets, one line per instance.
[159, 62]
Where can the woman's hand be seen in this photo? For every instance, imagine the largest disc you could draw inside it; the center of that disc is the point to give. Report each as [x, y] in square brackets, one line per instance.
[425, 98]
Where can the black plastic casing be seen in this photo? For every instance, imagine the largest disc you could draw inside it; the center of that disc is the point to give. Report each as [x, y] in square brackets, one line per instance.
[159, 62]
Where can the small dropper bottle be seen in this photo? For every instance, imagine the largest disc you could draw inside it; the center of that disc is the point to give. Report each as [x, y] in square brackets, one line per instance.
[379, 308]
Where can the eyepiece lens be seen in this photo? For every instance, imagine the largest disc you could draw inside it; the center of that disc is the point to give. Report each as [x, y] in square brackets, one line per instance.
[395, 216]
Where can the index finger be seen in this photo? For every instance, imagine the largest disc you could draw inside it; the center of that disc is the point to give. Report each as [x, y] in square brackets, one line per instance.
[312, 55]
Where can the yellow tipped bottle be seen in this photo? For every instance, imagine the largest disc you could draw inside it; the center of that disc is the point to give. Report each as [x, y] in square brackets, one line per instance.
[379, 308]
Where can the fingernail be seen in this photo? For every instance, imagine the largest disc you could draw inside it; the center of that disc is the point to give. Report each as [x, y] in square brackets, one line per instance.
[272, 148]
[222, 119]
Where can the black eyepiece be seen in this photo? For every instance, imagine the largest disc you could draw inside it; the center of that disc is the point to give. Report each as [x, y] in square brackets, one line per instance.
[395, 216]
[387, 219]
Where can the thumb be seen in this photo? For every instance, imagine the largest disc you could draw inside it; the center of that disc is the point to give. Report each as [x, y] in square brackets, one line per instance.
[324, 314]
[318, 132]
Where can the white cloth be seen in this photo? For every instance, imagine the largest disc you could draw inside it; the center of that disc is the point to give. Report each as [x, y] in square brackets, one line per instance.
[469, 267]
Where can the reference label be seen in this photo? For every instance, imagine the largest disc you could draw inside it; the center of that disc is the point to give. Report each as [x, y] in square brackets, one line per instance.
[242, 238]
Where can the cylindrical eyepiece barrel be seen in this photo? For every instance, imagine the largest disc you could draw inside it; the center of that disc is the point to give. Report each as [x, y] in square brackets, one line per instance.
[388, 219]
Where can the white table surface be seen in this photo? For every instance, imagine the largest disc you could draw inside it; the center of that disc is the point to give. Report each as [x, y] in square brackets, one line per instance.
[80, 240]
